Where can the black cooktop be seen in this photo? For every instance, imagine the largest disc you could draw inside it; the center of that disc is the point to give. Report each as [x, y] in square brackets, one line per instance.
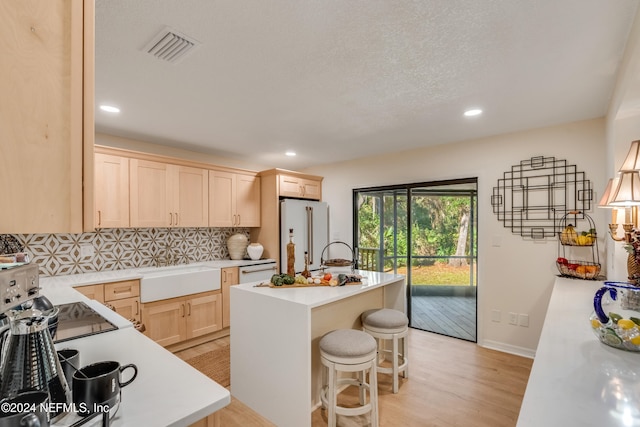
[77, 319]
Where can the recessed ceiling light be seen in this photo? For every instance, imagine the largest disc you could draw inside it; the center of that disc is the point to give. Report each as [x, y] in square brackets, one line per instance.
[473, 112]
[290, 153]
[109, 109]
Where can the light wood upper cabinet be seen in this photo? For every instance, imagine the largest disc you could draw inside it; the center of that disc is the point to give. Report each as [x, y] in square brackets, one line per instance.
[234, 199]
[46, 82]
[111, 191]
[166, 195]
[293, 186]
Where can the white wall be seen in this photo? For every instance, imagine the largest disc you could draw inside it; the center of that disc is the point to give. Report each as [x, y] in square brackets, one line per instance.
[518, 275]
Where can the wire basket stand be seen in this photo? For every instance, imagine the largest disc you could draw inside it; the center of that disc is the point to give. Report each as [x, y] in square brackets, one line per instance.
[338, 262]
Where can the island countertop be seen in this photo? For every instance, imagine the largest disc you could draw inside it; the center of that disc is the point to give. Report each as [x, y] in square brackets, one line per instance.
[275, 358]
[576, 380]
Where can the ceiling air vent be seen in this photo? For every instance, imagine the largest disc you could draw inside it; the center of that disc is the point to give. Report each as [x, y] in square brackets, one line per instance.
[171, 46]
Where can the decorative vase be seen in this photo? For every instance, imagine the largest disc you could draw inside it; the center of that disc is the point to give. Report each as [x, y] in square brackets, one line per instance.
[237, 245]
[255, 251]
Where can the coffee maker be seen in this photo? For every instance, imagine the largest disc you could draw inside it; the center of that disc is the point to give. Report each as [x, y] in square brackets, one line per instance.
[28, 358]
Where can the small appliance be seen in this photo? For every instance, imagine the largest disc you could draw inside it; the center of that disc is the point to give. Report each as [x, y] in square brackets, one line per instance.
[28, 358]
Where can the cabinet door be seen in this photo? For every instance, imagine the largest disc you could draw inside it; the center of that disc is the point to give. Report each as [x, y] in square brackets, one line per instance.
[204, 314]
[150, 193]
[111, 191]
[229, 277]
[164, 321]
[129, 308]
[42, 122]
[290, 186]
[95, 292]
[247, 200]
[311, 189]
[221, 201]
[190, 196]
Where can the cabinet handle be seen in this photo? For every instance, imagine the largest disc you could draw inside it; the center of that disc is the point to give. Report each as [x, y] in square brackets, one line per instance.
[224, 273]
[189, 306]
[183, 310]
[176, 218]
[137, 307]
[122, 290]
[239, 221]
[99, 218]
[170, 218]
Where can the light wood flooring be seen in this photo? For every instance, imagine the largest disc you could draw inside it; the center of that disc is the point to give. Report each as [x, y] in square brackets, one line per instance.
[451, 383]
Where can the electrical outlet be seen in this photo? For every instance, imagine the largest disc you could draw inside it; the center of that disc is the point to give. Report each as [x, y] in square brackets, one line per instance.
[513, 318]
[86, 251]
[495, 315]
[523, 320]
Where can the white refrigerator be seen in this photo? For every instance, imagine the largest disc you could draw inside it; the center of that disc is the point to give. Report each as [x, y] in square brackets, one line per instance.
[310, 223]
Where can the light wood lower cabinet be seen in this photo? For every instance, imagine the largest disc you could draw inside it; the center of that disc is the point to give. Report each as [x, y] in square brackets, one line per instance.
[123, 297]
[95, 292]
[178, 319]
[229, 277]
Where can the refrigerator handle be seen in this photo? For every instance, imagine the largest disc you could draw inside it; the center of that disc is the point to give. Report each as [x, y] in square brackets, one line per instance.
[310, 234]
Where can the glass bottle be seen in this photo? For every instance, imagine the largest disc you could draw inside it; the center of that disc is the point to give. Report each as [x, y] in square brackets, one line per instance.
[306, 273]
[291, 255]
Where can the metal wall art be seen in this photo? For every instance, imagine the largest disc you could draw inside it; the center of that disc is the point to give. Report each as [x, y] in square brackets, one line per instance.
[534, 195]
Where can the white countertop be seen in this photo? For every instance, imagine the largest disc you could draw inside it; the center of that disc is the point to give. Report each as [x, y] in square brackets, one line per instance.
[575, 379]
[320, 295]
[167, 390]
[134, 273]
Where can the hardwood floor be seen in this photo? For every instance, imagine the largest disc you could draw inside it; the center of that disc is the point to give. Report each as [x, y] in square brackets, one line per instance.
[451, 382]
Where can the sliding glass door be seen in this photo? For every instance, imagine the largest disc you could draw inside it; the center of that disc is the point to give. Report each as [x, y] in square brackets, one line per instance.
[427, 232]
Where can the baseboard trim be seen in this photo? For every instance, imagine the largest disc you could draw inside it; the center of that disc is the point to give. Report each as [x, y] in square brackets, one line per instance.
[508, 348]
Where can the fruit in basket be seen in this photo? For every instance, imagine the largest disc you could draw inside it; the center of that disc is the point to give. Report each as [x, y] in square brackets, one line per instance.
[562, 261]
[573, 267]
[568, 235]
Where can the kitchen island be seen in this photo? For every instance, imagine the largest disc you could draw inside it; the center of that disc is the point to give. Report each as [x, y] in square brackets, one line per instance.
[275, 359]
[575, 379]
[167, 390]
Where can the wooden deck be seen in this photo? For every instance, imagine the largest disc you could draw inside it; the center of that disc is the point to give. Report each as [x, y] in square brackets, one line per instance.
[454, 316]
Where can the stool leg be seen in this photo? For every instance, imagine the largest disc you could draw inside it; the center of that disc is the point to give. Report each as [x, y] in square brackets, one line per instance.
[373, 393]
[362, 376]
[332, 397]
[395, 363]
[405, 352]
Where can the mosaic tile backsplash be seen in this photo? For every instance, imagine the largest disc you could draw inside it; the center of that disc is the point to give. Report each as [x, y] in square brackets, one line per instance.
[119, 248]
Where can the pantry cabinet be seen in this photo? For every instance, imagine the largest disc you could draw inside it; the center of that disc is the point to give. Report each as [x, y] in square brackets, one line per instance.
[234, 199]
[229, 277]
[178, 319]
[275, 185]
[47, 123]
[111, 193]
[167, 195]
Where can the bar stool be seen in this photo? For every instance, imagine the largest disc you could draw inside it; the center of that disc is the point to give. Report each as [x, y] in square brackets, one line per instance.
[388, 324]
[349, 350]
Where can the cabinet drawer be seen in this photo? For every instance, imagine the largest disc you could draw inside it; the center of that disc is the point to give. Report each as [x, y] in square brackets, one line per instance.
[120, 290]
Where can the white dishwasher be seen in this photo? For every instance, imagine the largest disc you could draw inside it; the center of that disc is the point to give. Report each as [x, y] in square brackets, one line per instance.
[257, 272]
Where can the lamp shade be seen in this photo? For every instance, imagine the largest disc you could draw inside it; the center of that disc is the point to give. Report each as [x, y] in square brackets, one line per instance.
[632, 161]
[627, 192]
[604, 200]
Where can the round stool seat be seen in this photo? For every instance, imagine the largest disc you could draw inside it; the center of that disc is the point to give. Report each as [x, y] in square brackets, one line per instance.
[353, 352]
[347, 343]
[384, 319]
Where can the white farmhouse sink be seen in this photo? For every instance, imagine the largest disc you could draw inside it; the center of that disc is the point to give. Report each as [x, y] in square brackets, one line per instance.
[171, 282]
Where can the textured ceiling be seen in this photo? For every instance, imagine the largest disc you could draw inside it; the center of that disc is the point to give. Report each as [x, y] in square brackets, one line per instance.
[342, 79]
